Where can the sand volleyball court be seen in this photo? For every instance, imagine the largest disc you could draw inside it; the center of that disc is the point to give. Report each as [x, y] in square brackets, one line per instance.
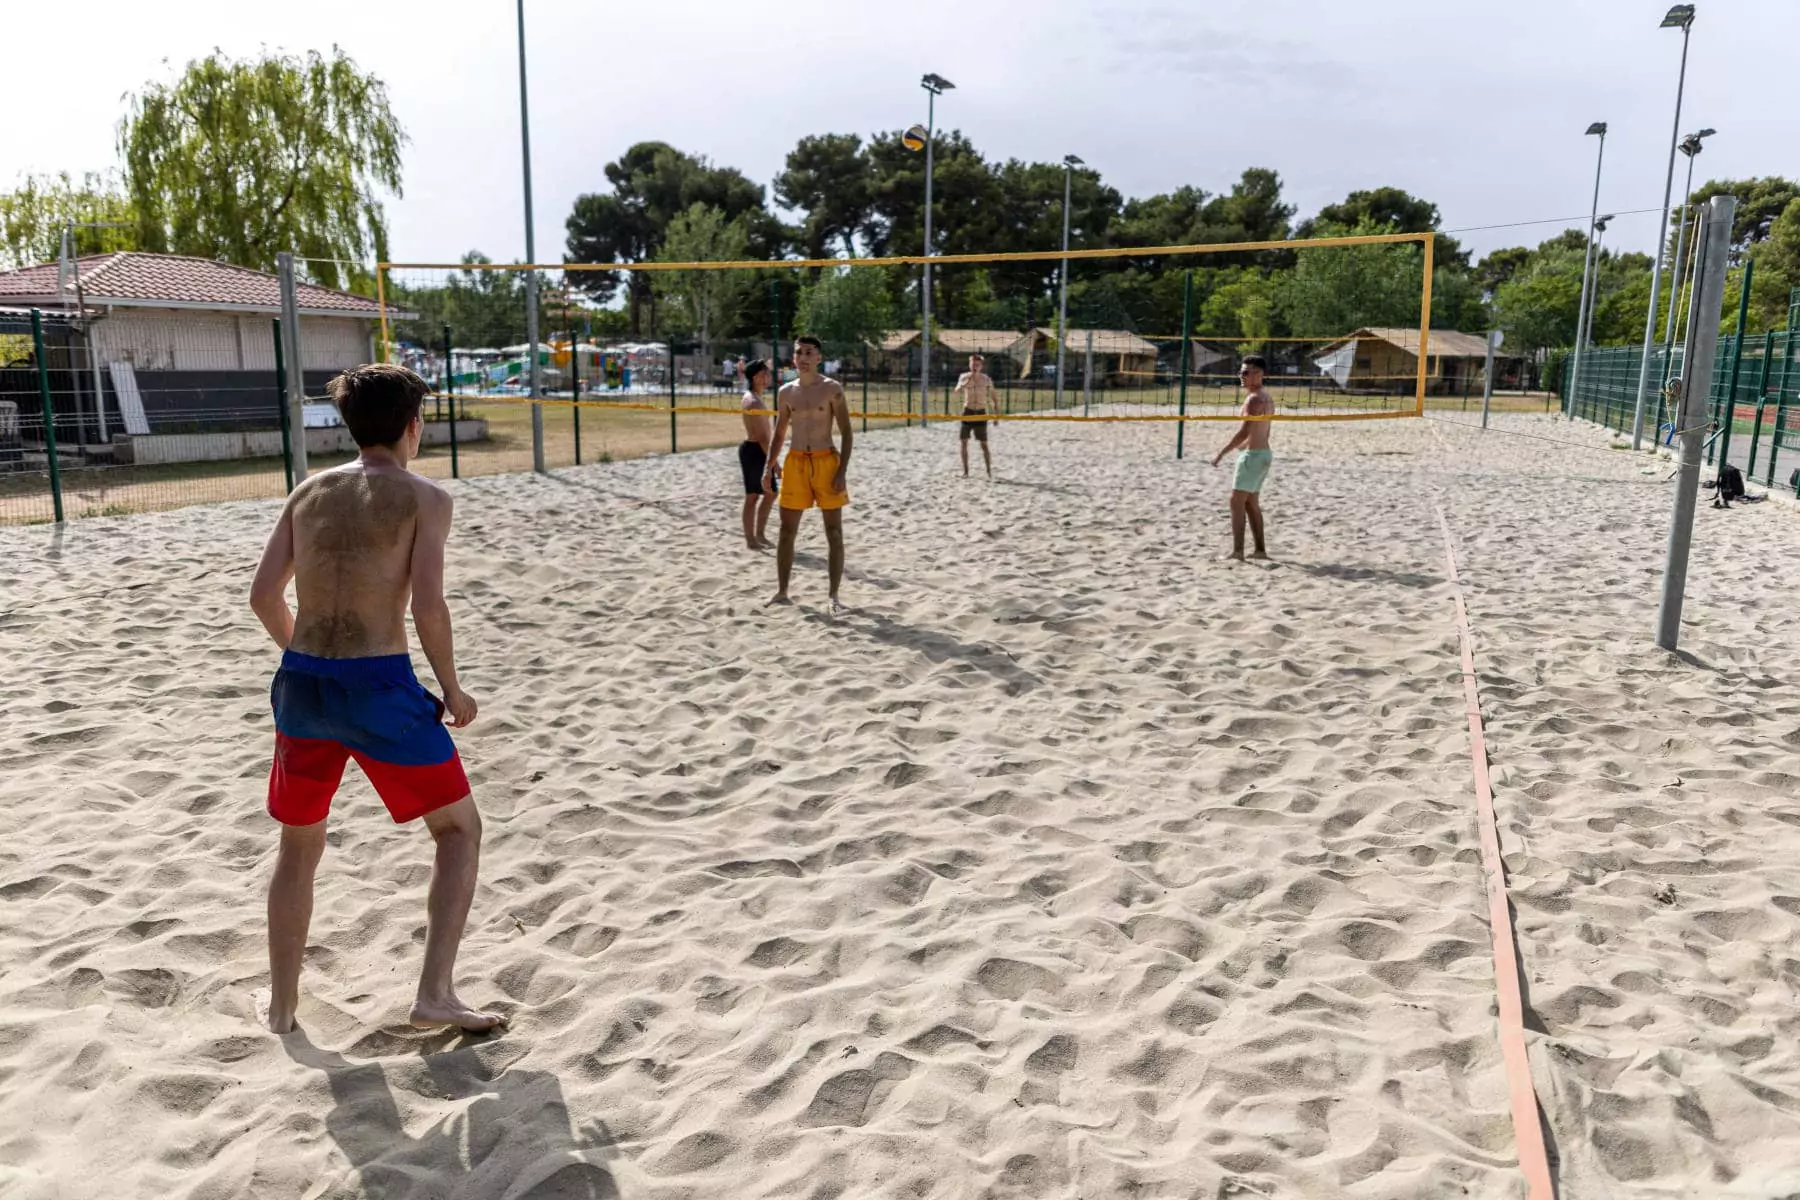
[1069, 863]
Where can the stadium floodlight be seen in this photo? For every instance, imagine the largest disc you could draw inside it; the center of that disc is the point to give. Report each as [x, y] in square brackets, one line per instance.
[1690, 146]
[1679, 17]
[1587, 270]
[935, 86]
[1070, 162]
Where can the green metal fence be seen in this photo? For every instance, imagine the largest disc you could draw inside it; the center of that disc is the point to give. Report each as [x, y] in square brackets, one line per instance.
[1755, 424]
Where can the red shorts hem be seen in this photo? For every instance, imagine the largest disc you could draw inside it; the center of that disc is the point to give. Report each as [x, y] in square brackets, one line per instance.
[306, 772]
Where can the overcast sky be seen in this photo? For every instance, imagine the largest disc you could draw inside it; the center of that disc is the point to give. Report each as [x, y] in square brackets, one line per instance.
[1478, 107]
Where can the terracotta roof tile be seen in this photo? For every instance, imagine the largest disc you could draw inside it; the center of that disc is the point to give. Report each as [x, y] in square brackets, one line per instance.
[133, 276]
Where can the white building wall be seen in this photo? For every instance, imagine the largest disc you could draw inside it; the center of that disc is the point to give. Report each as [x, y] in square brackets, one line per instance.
[158, 339]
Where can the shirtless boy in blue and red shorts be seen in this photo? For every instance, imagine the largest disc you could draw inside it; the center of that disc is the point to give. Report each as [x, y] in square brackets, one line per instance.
[357, 541]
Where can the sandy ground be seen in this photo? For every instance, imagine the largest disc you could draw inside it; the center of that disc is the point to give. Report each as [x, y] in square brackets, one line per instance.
[1069, 863]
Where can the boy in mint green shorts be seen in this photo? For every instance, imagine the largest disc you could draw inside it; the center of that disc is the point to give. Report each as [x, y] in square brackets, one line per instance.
[1253, 459]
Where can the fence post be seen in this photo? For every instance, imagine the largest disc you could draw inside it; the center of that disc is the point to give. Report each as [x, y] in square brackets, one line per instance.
[450, 387]
[574, 382]
[1487, 378]
[1737, 363]
[287, 424]
[1712, 238]
[1762, 399]
[43, 374]
[1776, 438]
[672, 393]
[1187, 325]
[865, 357]
[909, 357]
[1087, 375]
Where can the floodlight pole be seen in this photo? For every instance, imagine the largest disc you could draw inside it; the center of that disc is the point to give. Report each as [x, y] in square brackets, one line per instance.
[1070, 162]
[1712, 241]
[1690, 146]
[934, 86]
[531, 281]
[1686, 21]
[1587, 271]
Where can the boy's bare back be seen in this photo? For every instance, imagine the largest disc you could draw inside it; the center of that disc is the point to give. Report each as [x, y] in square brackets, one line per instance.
[356, 531]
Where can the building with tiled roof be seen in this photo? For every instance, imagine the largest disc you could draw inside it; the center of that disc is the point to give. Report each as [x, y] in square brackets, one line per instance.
[172, 343]
[135, 279]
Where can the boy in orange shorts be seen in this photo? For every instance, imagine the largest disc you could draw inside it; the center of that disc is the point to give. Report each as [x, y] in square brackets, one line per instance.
[814, 472]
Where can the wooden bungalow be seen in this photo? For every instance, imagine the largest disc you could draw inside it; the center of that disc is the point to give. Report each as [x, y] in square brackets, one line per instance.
[1386, 360]
[1121, 358]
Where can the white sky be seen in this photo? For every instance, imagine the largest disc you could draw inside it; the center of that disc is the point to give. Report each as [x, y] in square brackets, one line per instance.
[1477, 107]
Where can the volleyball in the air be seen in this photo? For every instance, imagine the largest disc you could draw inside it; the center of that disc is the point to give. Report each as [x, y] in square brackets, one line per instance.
[914, 138]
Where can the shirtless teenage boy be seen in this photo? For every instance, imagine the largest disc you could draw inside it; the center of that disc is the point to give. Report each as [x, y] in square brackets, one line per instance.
[814, 472]
[978, 392]
[1252, 461]
[753, 456]
[357, 541]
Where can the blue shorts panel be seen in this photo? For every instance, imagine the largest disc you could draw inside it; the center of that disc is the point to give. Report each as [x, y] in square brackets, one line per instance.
[373, 706]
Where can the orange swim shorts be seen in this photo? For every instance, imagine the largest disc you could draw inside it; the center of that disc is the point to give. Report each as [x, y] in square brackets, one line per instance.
[806, 480]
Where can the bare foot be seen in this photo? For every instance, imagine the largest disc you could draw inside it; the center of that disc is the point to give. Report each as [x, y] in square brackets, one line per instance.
[836, 607]
[755, 545]
[268, 1016]
[763, 543]
[1234, 556]
[777, 598]
[1263, 555]
[434, 1014]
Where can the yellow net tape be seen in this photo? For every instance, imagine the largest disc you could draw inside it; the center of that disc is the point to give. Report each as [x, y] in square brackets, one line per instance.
[1426, 241]
[901, 260]
[476, 398]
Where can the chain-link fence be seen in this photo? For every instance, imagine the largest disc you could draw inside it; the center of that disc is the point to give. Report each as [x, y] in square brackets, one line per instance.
[106, 415]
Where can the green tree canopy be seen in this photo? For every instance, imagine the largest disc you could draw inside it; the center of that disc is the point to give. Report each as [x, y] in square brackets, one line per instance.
[1777, 269]
[704, 302]
[34, 216]
[1760, 202]
[828, 178]
[484, 309]
[241, 159]
[1387, 210]
[1243, 307]
[652, 184]
[1333, 290]
[847, 306]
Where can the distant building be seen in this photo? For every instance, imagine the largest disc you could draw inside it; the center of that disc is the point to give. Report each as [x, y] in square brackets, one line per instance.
[1386, 360]
[192, 338]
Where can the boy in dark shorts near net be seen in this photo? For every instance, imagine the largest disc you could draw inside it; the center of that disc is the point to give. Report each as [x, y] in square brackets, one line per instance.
[977, 388]
[357, 541]
[753, 457]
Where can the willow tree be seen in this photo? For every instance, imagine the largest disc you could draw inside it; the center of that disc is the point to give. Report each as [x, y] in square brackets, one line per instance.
[239, 160]
[35, 216]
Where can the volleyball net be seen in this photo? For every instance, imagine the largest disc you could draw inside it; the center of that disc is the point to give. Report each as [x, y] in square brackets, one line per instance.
[1144, 334]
